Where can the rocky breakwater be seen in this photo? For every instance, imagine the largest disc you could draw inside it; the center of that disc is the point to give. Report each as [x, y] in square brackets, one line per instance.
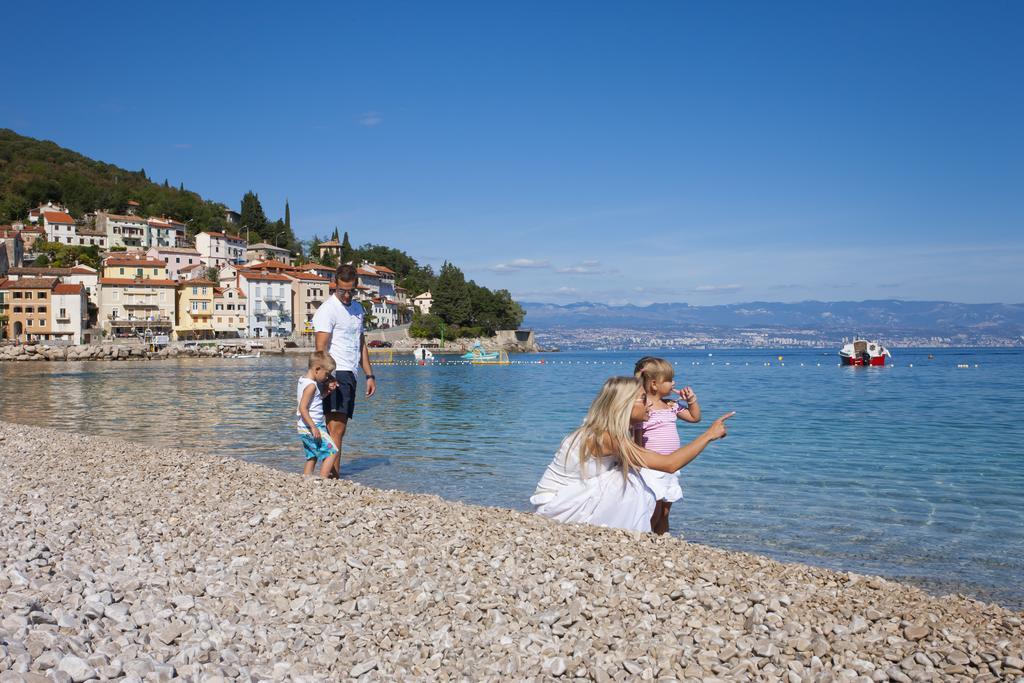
[44, 352]
[124, 561]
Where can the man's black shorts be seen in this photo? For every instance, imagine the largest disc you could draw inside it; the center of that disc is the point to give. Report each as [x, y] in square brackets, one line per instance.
[343, 399]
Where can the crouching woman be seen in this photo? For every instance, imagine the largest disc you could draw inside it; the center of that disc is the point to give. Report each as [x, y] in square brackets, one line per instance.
[594, 477]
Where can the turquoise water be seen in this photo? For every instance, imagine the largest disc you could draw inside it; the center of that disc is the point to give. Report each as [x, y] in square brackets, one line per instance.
[913, 473]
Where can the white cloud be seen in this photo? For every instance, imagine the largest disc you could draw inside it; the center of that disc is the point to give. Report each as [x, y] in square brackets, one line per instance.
[584, 268]
[370, 119]
[519, 264]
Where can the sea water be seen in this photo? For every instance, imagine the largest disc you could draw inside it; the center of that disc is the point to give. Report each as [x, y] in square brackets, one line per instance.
[913, 471]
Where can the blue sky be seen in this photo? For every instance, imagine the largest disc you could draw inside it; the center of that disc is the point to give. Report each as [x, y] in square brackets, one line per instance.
[630, 152]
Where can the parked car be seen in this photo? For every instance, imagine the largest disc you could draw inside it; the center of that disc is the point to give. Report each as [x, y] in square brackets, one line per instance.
[378, 344]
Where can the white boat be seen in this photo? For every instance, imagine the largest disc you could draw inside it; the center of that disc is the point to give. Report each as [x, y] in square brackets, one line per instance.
[863, 352]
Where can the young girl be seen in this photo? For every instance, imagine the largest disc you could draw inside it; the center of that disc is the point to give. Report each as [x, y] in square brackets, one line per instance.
[658, 432]
[594, 477]
[312, 387]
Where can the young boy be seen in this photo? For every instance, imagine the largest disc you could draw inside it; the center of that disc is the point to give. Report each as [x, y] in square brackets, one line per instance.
[312, 387]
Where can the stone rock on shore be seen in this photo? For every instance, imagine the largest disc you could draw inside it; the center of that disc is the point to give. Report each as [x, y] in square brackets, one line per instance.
[133, 351]
[118, 560]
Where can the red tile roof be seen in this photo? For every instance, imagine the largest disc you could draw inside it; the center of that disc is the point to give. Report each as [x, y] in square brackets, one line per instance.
[383, 269]
[309, 277]
[68, 289]
[31, 283]
[330, 243]
[83, 270]
[189, 269]
[260, 275]
[364, 271]
[125, 219]
[57, 217]
[271, 264]
[38, 271]
[193, 283]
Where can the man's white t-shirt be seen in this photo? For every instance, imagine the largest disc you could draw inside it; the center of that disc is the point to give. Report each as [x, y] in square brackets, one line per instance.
[345, 325]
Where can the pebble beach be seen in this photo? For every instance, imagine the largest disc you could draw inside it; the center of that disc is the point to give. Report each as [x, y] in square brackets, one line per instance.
[121, 561]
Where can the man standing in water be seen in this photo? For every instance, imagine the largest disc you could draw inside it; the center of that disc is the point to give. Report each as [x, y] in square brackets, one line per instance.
[339, 331]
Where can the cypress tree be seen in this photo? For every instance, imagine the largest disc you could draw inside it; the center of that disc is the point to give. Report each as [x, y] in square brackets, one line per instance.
[346, 247]
[287, 216]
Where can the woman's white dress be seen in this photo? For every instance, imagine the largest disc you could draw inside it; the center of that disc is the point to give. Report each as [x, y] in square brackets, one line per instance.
[597, 496]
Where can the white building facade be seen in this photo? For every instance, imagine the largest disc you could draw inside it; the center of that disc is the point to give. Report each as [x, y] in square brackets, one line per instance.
[269, 299]
[219, 249]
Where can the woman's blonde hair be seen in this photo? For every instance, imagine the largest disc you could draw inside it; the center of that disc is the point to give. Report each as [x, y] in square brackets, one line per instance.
[651, 368]
[608, 423]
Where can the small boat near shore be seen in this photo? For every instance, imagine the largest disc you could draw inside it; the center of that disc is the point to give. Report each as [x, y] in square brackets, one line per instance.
[863, 352]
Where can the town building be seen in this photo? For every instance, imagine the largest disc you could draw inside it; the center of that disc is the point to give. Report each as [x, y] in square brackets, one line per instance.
[267, 252]
[195, 310]
[197, 271]
[92, 237]
[26, 306]
[423, 302]
[176, 258]
[123, 230]
[134, 265]
[331, 248]
[69, 313]
[31, 235]
[269, 298]
[308, 292]
[87, 277]
[137, 307]
[219, 249]
[13, 245]
[230, 317]
[385, 312]
[34, 272]
[232, 217]
[59, 227]
[36, 214]
[318, 269]
[159, 233]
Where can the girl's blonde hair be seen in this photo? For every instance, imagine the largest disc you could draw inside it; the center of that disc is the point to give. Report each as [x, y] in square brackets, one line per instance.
[608, 421]
[651, 368]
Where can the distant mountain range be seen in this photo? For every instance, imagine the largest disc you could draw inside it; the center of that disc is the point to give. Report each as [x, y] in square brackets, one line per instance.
[845, 317]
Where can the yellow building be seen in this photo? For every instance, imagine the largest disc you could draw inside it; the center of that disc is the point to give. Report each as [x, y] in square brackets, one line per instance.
[134, 266]
[231, 319]
[195, 310]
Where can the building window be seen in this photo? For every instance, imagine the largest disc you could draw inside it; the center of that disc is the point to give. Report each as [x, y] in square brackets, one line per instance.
[204, 305]
[138, 272]
[122, 271]
[41, 309]
[63, 313]
[40, 295]
[195, 291]
[17, 309]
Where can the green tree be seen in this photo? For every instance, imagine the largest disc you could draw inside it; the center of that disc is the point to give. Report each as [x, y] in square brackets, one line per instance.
[368, 319]
[419, 280]
[424, 325]
[452, 299]
[346, 247]
[253, 217]
[212, 274]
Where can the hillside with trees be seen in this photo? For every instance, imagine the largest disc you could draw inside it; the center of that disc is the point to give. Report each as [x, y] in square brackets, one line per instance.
[33, 172]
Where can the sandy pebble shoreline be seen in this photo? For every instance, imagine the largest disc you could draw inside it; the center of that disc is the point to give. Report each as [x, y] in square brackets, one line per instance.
[119, 561]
